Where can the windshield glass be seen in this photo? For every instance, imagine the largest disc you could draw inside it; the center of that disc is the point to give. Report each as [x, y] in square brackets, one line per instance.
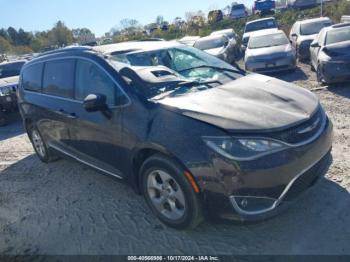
[314, 27]
[9, 70]
[238, 7]
[260, 25]
[188, 62]
[337, 36]
[268, 40]
[211, 43]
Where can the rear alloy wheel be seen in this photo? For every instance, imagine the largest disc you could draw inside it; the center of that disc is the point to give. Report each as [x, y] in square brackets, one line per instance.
[40, 147]
[169, 194]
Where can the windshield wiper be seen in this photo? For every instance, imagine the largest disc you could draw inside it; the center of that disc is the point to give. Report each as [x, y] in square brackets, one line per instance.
[238, 71]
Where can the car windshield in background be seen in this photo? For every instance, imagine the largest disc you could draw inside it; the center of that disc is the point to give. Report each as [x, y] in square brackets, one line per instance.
[313, 28]
[190, 63]
[267, 41]
[337, 36]
[9, 70]
[210, 43]
[238, 7]
[260, 25]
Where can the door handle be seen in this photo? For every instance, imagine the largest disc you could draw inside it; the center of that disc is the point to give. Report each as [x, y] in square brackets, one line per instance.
[66, 114]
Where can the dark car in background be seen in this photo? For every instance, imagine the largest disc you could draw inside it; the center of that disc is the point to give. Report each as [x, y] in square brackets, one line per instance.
[193, 134]
[9, 75]
[330, 54]
[256, 25]
[264, 7]
[304, 32]
[301, 4]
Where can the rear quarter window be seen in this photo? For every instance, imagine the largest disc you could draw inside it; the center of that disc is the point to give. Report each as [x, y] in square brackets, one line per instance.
[31, 77]
[59, 78]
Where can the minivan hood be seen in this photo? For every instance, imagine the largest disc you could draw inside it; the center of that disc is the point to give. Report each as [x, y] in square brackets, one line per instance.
[13, 80]
[251, 103]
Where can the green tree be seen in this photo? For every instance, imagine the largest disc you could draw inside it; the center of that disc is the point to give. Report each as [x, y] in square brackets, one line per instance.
[5, 46]
[60, 35]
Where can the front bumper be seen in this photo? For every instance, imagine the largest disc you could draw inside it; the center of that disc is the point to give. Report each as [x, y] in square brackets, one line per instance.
[336, 72]
[8, 102]
[282, 64]
[255, 190]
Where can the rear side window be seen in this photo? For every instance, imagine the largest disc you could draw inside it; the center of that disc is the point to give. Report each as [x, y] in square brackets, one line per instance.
[92, 79]
[59, 78]
[31, 77]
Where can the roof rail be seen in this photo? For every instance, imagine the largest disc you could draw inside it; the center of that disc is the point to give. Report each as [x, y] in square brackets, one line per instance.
[66, 49]
[341, 25]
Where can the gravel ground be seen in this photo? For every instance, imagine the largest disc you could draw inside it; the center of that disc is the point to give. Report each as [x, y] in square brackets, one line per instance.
[67, 208]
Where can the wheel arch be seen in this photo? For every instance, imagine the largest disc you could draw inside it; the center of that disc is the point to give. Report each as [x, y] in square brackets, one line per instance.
[141, 154]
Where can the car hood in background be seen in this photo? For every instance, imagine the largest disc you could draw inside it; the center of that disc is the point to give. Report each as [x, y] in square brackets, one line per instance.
[215, 51]
[13, 80]
[269, 52]
[251, 103]
[303, 38]
[340, 49]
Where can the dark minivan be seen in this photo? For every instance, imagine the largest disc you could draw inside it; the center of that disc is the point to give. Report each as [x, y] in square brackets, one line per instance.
[193, 134]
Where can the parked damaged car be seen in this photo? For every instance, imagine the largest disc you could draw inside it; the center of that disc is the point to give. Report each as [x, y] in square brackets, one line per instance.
[257, 25]
[304, 32]
[193, 134]
[9, 74]
[218, 45]
[330, 54]
[269, 51]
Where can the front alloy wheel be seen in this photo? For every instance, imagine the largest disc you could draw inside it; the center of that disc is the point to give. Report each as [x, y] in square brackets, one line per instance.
[169, 194]
[166, 195]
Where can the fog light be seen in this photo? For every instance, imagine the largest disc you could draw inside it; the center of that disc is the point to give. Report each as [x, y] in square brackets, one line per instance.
[244, 203]
[252, 204]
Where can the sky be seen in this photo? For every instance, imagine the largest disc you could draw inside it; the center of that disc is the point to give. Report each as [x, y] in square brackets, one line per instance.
[97, 15]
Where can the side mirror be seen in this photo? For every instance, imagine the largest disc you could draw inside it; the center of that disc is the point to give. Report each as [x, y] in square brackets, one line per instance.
[294, 35]
[95, 102]
[314, 44]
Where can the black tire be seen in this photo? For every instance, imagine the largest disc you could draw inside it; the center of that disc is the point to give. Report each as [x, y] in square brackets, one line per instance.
[193, 215]
[3, 119]
[46, 155]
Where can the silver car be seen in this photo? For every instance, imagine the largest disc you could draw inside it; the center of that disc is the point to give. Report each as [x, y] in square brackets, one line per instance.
[269, 51]
[330, 54]
[304, 32]
[219, 46]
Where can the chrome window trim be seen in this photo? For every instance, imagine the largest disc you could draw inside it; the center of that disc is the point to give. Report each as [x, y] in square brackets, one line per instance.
[84, 162]
[73, 99]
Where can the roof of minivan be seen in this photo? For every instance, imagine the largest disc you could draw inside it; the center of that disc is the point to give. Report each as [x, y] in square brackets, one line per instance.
[259, 20]
[269, 31]
[336, 27]
[142, 46]
[312, 20]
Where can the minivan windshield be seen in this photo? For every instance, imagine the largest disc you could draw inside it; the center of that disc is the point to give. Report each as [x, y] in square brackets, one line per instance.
[339, 35]
[11, 69]
[260, 25]
[313, 28]
[268, 41]
[211, 43]
[190, 63]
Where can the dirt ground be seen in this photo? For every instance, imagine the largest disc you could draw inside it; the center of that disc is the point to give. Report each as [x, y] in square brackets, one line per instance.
[67, 208]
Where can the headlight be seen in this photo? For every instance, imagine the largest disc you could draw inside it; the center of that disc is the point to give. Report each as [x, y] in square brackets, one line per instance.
[4, 91]
[243, 148]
